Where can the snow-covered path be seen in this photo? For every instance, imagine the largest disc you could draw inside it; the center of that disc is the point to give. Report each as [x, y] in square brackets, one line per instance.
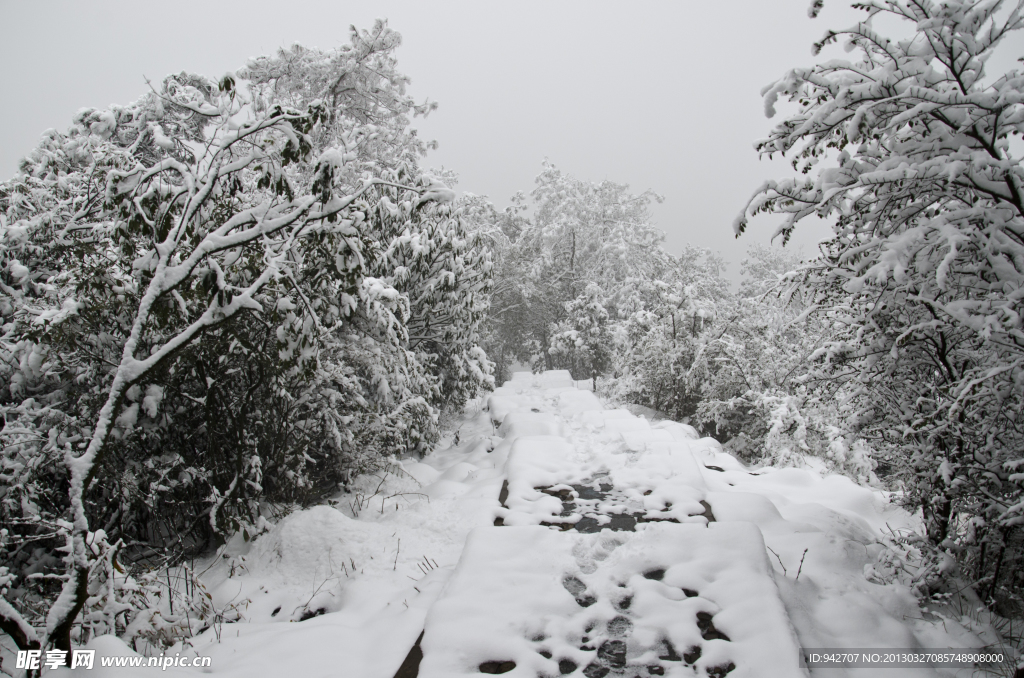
[559, 537]
[603, 558]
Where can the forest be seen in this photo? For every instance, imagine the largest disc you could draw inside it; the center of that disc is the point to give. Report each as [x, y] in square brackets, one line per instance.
[236, 298]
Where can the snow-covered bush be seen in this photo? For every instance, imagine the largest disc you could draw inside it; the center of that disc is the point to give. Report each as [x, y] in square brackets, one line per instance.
[438, 261]
[751, 369]
[912, 150]
[224, 294]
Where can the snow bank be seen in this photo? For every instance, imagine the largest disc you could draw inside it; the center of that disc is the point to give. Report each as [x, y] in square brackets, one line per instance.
[310, 544]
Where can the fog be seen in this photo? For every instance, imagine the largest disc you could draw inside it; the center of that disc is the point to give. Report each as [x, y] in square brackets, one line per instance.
[658, 95]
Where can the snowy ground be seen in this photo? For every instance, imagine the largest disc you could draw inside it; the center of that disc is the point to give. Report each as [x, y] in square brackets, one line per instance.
[558, 537]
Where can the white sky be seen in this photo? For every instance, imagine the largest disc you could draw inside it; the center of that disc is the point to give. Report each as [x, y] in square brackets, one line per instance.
[657, 94]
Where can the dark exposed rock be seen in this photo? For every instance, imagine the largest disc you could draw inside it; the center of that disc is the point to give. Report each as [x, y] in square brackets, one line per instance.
[707, 628]
[309, 614]
[591, 492]
[620, 522]
[496, 667]
[410, 668]
[720, 671]
[502, 496]
[707, 511]
[613, 653]
[670, 652]
[565, 494]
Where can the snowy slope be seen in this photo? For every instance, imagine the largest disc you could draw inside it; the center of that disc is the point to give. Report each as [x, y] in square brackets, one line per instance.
[597, 541]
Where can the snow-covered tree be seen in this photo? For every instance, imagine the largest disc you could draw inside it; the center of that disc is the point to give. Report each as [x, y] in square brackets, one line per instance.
[912, 151]
[592, 232]
[217, 292]
[665, 319]
[584, 337]
[507, 329]
[580, 234]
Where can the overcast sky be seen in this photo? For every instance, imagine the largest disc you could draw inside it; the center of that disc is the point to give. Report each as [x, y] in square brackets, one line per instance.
[659, 95]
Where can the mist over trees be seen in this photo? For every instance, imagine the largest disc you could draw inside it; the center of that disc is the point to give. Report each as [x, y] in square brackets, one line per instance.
[234, 296]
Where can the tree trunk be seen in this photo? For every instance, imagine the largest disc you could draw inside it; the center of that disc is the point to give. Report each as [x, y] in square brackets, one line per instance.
[936, 514]
[999, 565]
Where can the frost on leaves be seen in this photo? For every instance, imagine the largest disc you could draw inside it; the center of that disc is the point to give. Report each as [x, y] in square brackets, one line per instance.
[203, 287]
[909, 150]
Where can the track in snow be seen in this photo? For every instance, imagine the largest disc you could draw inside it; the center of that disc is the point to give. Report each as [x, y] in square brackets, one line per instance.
[604, 558]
